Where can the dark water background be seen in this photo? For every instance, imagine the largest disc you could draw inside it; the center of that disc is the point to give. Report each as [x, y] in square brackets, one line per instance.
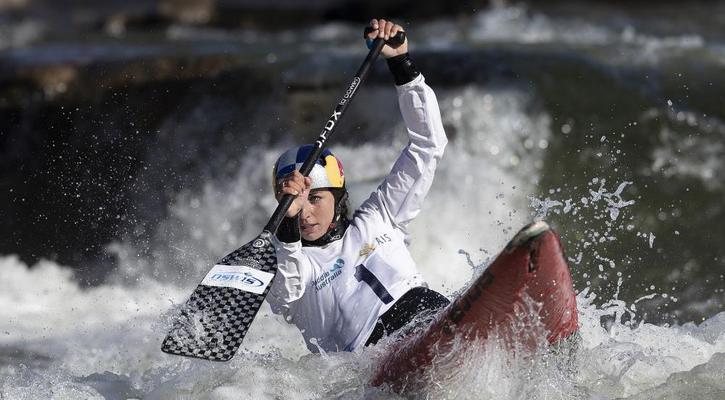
[109, 112]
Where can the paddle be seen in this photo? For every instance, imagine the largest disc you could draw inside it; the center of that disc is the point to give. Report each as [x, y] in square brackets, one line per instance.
[213, 322]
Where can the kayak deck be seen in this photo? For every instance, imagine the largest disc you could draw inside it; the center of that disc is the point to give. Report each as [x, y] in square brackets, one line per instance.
[531, 267]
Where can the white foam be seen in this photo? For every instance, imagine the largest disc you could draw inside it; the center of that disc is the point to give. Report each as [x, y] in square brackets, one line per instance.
[20, 34]
[482, 180]
[57, 339]
[515, 23]
[67, 342]
[698, 154]
[626, 360]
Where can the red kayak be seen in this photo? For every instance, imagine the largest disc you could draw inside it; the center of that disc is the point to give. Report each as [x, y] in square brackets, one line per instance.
[532, 267]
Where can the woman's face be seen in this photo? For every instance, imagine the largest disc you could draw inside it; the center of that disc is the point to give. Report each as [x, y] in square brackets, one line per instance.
[317, 214]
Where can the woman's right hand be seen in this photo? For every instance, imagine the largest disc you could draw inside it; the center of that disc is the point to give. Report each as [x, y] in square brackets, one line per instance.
[387, 29]
[296, 185]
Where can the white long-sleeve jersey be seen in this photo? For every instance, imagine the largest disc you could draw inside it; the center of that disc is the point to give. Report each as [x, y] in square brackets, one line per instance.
[334, 294]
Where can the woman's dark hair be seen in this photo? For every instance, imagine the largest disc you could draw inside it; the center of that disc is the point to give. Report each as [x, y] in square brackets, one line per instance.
[342, 203]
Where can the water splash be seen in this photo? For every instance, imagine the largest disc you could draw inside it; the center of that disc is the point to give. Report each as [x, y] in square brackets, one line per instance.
[82, 353]
[613, 202]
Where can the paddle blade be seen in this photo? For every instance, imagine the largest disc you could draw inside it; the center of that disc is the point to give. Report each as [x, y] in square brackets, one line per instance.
[213, 322]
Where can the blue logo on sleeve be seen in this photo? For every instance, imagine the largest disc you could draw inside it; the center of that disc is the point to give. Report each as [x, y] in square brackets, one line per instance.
[339, 263]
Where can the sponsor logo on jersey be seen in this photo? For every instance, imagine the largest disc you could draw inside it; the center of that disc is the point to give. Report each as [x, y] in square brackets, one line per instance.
[238, 276]
[379, 241]
[339, 263]
[382, 239]
[367, 249]
[328, 276]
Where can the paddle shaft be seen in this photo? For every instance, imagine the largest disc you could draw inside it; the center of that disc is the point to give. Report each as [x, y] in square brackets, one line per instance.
[331, 126]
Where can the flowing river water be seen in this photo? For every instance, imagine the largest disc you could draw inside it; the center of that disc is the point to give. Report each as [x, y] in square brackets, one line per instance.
[608, 125]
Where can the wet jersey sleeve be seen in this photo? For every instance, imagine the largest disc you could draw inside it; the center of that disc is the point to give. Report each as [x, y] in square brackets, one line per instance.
[293, 270]
[400, 196]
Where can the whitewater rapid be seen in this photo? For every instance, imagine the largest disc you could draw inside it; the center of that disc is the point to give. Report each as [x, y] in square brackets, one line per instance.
[59, 340]
[62, 341]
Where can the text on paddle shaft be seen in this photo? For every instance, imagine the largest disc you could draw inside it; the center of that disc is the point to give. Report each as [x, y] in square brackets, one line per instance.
[330, 125]
[350, 90]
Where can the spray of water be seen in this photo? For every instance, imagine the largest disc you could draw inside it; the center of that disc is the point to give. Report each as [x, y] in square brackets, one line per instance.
[60, 341]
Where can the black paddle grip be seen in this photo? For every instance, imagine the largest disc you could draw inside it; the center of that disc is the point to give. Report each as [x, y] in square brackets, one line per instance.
[394, 42]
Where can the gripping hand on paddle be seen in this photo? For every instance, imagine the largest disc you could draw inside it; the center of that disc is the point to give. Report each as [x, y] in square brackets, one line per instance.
[387, 29]
[296, 185]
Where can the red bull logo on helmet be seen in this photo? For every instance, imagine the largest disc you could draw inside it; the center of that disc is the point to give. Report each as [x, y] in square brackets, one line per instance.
[326, 173]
